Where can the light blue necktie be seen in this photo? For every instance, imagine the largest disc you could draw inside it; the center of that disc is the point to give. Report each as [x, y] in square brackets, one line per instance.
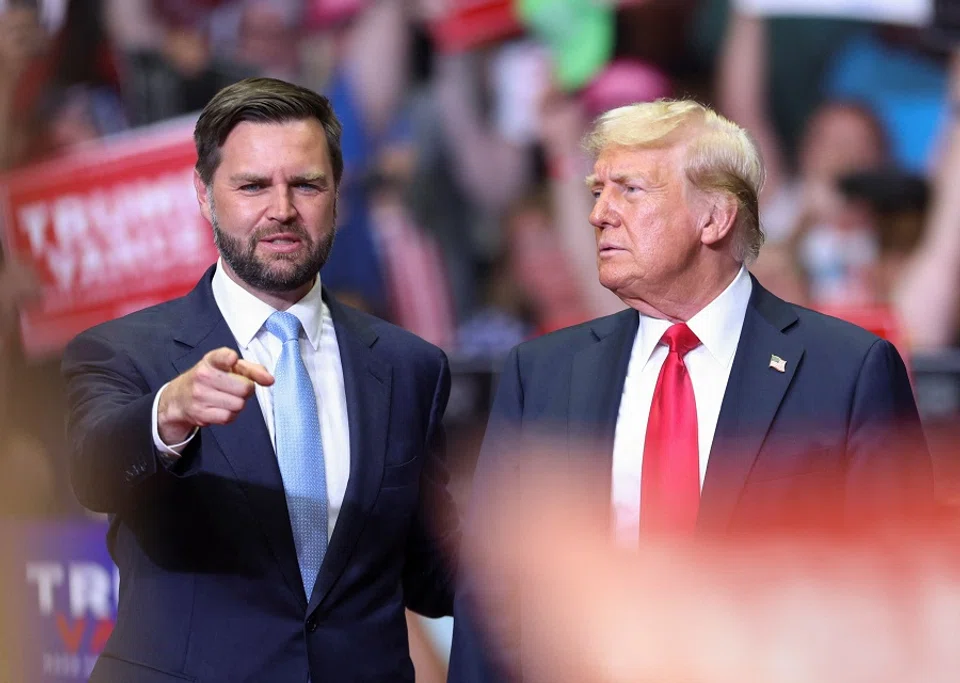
[299, 448]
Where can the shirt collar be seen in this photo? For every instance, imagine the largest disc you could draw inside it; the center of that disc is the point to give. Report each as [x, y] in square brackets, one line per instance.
[717, 325]
[245, 314]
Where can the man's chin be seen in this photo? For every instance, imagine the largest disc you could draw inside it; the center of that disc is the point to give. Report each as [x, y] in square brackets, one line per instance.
[283, 282]
[280, 275]
[612, 281]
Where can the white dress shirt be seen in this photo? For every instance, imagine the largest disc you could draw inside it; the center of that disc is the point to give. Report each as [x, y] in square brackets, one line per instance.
[245, 315]
[718, 326]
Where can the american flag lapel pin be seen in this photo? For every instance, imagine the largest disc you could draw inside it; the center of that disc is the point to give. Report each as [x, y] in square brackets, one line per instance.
[778, 363]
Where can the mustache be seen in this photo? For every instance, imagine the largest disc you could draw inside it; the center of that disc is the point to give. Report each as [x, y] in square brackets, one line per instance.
[293, 228]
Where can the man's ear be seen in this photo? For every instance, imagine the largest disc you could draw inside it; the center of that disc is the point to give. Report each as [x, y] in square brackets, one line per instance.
[719, 219]
[202, 198]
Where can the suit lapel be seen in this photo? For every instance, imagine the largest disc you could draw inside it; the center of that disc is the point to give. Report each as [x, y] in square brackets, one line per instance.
[245, 442]
[596, 383]
[753, 395]
[367, 385]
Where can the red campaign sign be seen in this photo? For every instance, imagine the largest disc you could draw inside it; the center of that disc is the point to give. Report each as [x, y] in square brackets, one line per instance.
[109, 228]
[474, 22]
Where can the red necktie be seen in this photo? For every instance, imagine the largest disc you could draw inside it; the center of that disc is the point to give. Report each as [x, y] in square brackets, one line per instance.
[670, 483]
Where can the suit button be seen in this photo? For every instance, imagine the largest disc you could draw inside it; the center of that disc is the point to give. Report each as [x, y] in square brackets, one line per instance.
[312, 624]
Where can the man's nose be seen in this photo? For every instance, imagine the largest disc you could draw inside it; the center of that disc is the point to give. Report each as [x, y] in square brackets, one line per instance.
[604, 214]
[282, 208]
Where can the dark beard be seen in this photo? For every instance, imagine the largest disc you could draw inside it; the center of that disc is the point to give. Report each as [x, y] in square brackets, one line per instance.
[242, 259]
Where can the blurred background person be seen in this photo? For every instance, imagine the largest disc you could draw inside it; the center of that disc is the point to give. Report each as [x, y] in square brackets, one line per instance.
[180, 73]
[533, 289]
[71, 93]
[28, 489]
[927, 296]
[836, 243]
[22, 40]
[265, 35]
[61, 87]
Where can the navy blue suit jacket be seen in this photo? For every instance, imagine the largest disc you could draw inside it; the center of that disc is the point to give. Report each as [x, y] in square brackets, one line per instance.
[833, 440]
[210, 588]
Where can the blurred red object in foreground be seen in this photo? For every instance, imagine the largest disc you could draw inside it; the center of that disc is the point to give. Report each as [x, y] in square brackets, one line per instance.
[880, 606]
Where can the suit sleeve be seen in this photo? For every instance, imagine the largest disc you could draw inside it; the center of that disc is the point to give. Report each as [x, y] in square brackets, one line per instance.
[430, 567]
[889, 471]
[473, 658]
[109, 418]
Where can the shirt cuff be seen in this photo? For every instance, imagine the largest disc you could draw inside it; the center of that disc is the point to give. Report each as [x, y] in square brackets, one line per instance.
[168, 453]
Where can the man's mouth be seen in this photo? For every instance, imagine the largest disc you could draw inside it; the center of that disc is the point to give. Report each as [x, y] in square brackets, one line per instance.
[282, 243]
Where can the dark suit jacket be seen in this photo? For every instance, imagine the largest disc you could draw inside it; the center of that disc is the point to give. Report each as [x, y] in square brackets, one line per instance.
[210, 588]
[835, 440]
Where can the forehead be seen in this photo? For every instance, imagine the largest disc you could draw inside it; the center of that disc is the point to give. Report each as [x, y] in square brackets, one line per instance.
[659, 162]
[263, 145]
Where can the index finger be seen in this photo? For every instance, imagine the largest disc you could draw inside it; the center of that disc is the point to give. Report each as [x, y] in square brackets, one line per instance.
[222, 359]
[253, 371]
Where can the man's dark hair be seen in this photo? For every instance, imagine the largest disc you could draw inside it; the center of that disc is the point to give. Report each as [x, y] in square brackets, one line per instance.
[262, 100]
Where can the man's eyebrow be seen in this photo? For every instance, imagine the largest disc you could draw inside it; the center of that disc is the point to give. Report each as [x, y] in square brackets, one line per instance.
[625, 177]
[620, 178]
[247, 178]
[317, 177]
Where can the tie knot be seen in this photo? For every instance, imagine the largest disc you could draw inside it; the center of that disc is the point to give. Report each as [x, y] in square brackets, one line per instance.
[284, 326]
[680, 339]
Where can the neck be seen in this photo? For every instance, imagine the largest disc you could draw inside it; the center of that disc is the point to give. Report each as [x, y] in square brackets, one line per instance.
[686, 296]
[281, 301]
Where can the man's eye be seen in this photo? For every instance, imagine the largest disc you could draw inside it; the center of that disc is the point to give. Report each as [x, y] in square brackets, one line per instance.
[251, 187]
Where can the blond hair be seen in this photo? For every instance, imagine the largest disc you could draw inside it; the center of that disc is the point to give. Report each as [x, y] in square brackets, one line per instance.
[721, 157]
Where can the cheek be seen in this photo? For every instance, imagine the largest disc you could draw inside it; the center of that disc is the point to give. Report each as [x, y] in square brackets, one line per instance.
[658, 240]
[647, 229]
[238, 215]
[317, 213]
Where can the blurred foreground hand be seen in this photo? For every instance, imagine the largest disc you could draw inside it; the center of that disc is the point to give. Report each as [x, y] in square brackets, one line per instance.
[774, 610]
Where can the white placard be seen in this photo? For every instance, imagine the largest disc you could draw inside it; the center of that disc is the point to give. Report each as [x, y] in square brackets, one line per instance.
[910, 12]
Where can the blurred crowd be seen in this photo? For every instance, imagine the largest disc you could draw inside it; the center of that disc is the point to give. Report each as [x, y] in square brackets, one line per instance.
[463, 211]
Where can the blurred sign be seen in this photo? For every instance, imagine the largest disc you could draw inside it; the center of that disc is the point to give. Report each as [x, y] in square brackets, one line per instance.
[911, 12]
[469, 23]
[65, 589]
[109, 228]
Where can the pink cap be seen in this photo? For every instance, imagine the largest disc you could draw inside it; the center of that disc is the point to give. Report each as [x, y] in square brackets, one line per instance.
[624, 81]
[321, 14]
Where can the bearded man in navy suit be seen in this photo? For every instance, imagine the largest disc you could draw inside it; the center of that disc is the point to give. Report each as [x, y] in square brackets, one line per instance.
[715, 407]
[270, 458]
